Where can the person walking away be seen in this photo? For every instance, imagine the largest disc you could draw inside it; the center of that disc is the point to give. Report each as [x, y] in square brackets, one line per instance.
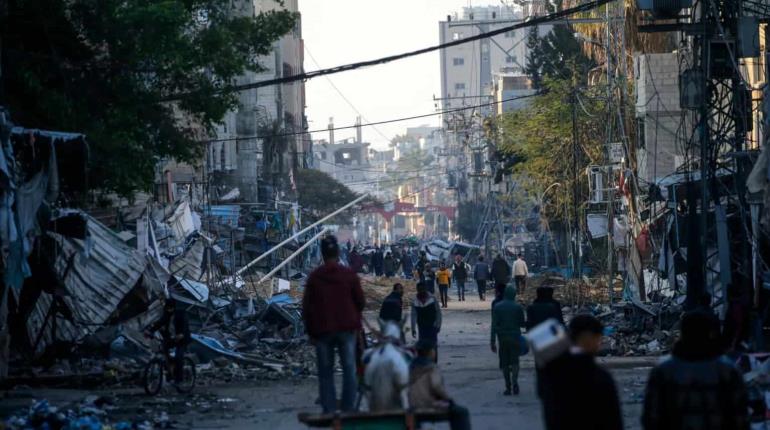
[430, 278]
[356, 261]
[501, 272]
[695, 388]
[174, 327]
[481, 276]
[421, 263]
[520, 273]
[389, 265]
[331, 309]
[573, 384]
[425, 315]
[378, 262]
[427, 390]
[443, 277]
[460, 275]
[392, 307]
[407, 264]
[507, 322]
[543, 308]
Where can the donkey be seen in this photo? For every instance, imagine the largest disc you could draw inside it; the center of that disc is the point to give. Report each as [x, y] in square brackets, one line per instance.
[386, 375]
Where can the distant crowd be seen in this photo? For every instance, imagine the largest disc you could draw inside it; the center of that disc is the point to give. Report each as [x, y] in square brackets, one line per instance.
[694, 388]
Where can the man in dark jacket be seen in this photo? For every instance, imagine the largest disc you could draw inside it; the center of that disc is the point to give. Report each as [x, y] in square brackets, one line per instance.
[407, 264]
[460, 275]
[420, 266]
[573, 384]
[389, 265]
[695, 388]
[392, 306]
[378, 262]
[425, 315]
[543, 307]
[507, 322]
[332, 308]
[501, 272]
[481, 276]
[174, 327]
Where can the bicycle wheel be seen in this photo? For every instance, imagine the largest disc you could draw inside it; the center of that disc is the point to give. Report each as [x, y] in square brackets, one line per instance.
[188, 377]
[153, 376]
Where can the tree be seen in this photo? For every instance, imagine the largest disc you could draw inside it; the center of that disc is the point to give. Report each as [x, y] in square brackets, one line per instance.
[321, 194]
[109, 68]
[542, 135]
[557, 55]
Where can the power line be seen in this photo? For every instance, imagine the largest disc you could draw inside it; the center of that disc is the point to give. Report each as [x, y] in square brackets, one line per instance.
[545, 19]
[328, 79]
[347, 127]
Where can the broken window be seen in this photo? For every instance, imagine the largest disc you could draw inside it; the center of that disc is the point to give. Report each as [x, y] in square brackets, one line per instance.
[458, 61]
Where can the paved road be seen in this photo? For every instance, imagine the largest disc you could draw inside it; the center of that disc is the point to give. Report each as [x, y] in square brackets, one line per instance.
[470, 371]
[469, 368]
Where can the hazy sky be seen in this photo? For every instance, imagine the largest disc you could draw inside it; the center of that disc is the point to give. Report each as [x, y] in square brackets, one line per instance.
[345, 31]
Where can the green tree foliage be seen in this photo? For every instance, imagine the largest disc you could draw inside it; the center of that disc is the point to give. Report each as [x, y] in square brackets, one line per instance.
[321, 194]
[542, 135]
[468, 219]
[557, 55]
[104, 67]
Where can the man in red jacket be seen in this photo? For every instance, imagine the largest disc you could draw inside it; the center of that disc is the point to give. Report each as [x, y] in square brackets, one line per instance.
[332, 309]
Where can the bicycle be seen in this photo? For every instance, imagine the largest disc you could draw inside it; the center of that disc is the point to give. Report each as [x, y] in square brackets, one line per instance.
[161, 367]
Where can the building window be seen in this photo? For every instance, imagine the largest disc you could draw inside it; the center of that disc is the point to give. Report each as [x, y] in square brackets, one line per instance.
[510, 34]
[459, 87]
[457, 36]
[510, 59]
[458, 61]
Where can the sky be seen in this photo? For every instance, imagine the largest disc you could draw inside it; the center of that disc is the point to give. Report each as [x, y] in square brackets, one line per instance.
[346, 31]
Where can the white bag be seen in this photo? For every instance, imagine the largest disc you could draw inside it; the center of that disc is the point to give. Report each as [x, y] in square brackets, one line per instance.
[547, 341]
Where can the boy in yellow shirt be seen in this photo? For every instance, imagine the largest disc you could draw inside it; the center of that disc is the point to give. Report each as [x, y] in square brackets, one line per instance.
[443, 276]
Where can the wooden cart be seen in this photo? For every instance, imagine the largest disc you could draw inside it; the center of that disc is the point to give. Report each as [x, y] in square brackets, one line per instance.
[386, 420]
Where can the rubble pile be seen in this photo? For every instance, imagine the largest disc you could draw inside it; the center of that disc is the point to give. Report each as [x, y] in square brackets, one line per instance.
[377, 288]
[632, 328]
[91, 414]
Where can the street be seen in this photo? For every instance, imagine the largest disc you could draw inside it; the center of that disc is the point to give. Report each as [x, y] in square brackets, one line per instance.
[469, 368]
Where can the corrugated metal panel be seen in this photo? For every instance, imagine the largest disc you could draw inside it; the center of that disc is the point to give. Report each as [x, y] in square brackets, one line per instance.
[104, 270]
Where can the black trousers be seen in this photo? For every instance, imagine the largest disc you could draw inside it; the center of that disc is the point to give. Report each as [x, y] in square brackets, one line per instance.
[481, 285]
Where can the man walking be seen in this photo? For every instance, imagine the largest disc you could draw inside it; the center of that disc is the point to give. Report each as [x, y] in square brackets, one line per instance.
[501, 273]
[425, 315]
[331, 309]
[443, 277]
[460, 275]
[389, 265]
[407, 265]
[520, 273]
[694, 388]
[481, 276]
[378, 262]
[543, 308]
[507, 322]
[573, 384]
[392, 307]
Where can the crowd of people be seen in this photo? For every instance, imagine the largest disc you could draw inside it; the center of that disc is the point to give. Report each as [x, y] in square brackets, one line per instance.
[694, 388]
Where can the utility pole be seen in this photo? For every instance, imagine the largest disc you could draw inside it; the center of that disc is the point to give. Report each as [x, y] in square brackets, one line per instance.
[575, 222]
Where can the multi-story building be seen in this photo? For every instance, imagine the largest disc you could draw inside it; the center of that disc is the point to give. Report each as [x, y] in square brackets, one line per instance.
[235, 155]
[484, 73]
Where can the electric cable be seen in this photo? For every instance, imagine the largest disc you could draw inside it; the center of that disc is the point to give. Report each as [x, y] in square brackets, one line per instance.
[347, 127]
[545, 19]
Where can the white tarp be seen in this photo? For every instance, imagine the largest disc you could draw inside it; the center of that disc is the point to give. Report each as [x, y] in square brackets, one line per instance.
[182, 222]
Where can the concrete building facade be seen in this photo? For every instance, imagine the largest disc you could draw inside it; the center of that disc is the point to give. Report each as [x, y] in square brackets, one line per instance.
[235, 153]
